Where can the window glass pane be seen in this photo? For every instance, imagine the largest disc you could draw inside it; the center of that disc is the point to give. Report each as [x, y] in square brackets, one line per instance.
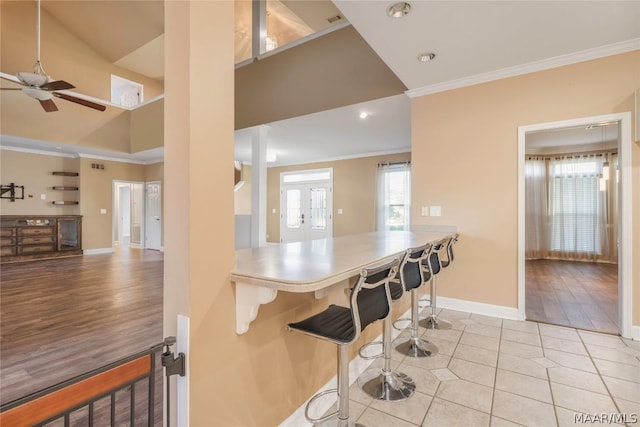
[318, 208]
[294, 213]
[290, 20]
[310, 176]
[243, 31]
[394, 197]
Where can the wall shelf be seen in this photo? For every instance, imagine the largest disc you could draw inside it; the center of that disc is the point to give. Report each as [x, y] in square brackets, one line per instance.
[66, 173]
[65, 202]
[64, 188]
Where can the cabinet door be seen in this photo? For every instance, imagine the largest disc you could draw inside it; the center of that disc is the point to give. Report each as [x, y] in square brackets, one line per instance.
[69, 235]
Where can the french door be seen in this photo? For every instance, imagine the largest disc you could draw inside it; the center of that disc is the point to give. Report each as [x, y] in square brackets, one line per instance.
[306, 211]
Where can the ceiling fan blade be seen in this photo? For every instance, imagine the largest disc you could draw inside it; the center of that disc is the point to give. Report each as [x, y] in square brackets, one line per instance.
[10, 88]
[80, 101]
[57, 85]
[48, 105]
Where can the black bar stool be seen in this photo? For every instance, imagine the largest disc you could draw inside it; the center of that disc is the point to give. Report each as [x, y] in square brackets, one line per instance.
[370, 301]
[386, 384]
[412, 278]
[431, 269]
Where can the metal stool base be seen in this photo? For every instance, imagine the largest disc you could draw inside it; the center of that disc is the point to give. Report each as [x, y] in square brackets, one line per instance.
[432, 322]
[390, 386]
[335, 422]
[416, 347]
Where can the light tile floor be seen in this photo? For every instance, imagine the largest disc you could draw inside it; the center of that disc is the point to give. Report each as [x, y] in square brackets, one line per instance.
[494, 372]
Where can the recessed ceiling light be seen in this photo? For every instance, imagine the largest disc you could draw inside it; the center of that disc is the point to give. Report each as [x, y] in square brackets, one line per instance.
[398, 10]
[364, 115]
[426, 57]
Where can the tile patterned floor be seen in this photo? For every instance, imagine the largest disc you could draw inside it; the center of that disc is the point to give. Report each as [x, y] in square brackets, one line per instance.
[494, 372]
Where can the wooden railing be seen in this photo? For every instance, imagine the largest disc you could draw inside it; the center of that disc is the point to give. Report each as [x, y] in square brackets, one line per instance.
[84, 399]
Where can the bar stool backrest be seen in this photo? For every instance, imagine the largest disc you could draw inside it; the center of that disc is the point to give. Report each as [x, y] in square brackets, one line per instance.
[452, 241]
[370, 298]
[435, 260]
[411, 274]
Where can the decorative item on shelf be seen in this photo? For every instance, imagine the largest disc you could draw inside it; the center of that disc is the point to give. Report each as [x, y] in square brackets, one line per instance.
[11, 189]
[64, 188]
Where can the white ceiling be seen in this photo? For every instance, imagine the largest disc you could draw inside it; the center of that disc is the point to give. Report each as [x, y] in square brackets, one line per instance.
[473, 40]
[336, 134]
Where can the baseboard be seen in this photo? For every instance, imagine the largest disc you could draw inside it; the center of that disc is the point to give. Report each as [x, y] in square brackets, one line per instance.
[97, 251]
[356, 367]
[478, 308]
[635, 333]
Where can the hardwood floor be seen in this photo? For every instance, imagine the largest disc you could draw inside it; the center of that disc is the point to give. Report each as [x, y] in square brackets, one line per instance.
[60, 318]
[581, 295]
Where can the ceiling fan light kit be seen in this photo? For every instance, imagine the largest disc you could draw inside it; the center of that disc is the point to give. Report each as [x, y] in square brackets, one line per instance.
[38, 85]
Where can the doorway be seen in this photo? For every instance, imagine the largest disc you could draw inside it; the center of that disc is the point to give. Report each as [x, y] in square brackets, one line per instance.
[306, 205]
[621, 241]
[153, 216]
[128, 202]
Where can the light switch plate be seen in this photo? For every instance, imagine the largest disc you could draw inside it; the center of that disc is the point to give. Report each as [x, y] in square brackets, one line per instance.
[425, 211]
[103, 211]
[435, 210]
[339, 211]
[43, 197]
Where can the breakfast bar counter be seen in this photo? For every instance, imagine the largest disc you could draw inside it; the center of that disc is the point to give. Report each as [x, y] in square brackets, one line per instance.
[312, 266]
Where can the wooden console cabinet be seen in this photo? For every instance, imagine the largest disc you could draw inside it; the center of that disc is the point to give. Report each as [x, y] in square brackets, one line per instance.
[27, 237]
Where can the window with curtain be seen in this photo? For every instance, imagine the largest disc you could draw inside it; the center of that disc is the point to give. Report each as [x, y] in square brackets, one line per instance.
[394, 197]
[568, 213]
[575, 206]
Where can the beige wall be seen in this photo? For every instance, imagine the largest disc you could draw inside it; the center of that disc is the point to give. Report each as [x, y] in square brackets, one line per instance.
[332, 71]
[354, 191]
[34, 172]
[464, 148]
[96, 187]
[242, 197]
[147, 126]
[96, 193]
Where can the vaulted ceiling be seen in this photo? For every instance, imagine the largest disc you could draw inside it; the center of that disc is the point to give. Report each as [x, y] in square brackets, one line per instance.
[474, 41]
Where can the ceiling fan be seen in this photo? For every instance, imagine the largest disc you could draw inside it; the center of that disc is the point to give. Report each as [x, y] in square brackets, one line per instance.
[40, 86]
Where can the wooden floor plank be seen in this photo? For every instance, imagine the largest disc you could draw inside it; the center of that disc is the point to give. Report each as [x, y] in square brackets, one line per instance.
[576, 294]
[63, 317]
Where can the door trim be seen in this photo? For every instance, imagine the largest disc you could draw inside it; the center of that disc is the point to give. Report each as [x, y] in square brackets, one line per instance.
[625, 231]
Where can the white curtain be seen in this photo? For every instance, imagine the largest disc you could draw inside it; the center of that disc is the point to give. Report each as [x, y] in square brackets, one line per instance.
[536, 230]
[577, 208]
[394, 197]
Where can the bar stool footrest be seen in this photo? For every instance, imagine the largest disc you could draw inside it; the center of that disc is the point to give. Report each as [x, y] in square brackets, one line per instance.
[310, 402]
[364, 347]
[405, 319]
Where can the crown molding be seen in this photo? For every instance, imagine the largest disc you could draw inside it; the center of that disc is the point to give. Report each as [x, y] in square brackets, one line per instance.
[532, 67]
[35, 151]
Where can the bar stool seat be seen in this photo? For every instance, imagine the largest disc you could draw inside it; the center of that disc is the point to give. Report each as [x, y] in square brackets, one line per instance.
[369, 301]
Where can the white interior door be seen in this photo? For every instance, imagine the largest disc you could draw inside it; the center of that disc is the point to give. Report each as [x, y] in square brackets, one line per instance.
[306, 211]
[153, 218]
